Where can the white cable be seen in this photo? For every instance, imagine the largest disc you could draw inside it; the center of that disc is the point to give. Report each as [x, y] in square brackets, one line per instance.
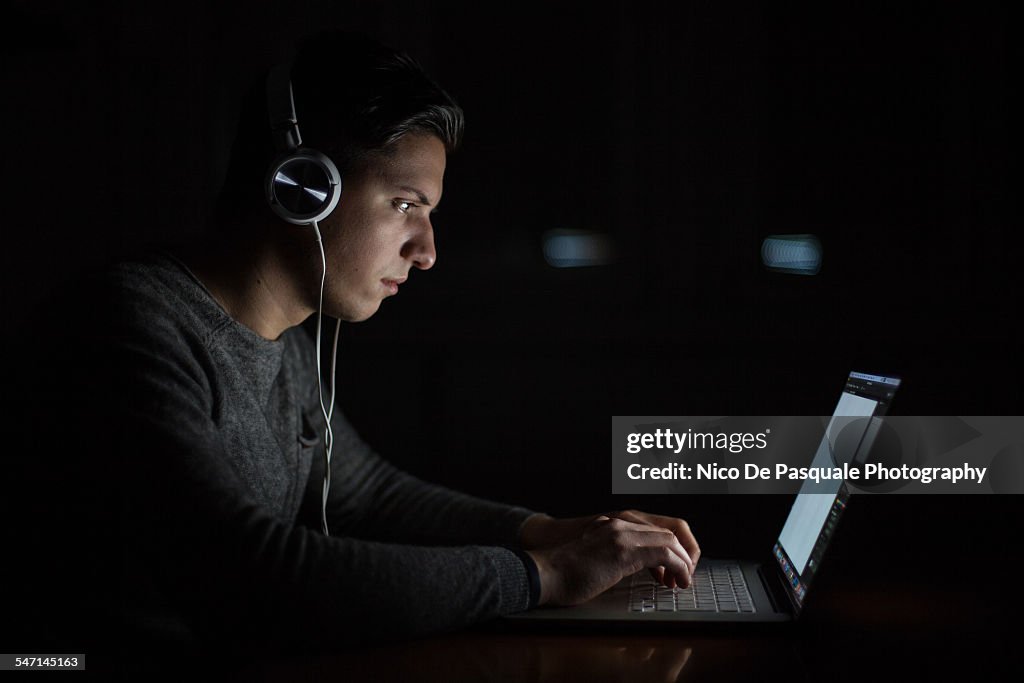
[329, 433]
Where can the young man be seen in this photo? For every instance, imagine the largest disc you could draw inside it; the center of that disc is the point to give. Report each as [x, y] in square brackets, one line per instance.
[191, 467]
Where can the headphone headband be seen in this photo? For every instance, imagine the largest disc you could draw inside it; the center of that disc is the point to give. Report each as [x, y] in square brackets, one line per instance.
[303, 185]
[281, 108]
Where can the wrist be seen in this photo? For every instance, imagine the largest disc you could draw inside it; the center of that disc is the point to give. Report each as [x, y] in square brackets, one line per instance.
[540, 561]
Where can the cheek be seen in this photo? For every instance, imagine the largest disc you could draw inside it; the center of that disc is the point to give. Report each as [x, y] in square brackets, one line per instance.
[351, 234]
[367, 246]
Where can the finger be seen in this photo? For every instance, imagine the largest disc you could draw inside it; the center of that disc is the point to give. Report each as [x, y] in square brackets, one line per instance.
[626, 533]
[676, 571]
[631, 516]
[630, 526]
[680, 527]
[675, 546]
[639, 535]
[658, 574]
[668, 540]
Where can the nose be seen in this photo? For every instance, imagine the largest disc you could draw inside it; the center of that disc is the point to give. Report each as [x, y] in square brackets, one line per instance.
[420, 248]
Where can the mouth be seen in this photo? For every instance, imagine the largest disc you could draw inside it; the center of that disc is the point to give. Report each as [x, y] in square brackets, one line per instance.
[391, 284]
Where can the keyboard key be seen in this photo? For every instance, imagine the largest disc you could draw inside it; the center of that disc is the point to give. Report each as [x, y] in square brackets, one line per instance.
[718, 589]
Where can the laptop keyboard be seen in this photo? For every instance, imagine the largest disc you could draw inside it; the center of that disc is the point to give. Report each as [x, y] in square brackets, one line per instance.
[720, 588]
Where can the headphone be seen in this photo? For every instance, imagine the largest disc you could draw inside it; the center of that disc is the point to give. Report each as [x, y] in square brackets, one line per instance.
[303, 187]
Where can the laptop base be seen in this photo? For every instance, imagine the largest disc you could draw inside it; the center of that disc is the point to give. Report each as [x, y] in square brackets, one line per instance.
[613, 606]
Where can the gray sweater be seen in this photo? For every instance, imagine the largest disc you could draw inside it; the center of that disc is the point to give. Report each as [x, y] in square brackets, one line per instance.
[202, 453]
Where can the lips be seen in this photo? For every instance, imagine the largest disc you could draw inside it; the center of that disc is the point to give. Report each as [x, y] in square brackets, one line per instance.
[392, 284]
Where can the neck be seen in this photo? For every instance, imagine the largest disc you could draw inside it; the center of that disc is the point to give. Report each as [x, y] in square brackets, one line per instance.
[254, 280]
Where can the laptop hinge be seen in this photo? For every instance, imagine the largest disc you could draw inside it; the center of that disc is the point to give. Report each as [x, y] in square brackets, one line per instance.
[774, 588]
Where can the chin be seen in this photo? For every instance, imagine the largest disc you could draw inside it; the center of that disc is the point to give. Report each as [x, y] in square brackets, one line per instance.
[353, 309]
[361, 314]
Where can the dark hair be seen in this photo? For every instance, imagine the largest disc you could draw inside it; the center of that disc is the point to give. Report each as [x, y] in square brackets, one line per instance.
[354, 98]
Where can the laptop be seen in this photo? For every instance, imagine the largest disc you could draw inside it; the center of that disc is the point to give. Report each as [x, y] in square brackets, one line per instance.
[771, 590]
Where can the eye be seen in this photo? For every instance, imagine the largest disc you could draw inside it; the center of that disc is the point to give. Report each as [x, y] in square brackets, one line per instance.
[403, 206]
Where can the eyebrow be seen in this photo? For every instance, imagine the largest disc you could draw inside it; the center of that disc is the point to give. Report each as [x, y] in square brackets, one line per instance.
[419, 195]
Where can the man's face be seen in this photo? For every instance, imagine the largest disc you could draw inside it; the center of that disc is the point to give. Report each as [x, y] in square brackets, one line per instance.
[381, 228]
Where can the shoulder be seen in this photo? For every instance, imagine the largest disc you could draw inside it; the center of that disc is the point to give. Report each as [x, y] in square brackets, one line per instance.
[158, 290]
[132, 311]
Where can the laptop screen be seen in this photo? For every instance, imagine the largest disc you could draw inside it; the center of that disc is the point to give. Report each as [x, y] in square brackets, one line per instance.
[813, 518]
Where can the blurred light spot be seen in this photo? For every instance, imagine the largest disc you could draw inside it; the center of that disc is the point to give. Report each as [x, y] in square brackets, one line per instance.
[575, 248]
[798, 254]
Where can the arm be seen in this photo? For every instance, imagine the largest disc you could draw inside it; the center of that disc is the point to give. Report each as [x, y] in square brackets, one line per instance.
[150, 457]
[242, 572]
[370, 498]
[576, 558]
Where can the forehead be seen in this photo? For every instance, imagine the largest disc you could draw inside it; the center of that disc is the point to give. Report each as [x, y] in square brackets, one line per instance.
[415, 160]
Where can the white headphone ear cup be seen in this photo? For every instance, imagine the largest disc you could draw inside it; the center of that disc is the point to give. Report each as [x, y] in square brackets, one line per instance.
[303, 186]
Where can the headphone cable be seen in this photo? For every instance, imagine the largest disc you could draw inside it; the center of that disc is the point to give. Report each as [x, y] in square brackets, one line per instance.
[327, 411]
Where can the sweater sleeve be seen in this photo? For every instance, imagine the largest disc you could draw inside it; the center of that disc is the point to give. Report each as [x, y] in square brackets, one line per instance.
[371, 498]
[156, 465]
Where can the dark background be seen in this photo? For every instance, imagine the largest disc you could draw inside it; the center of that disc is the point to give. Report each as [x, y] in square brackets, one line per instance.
[686, 132]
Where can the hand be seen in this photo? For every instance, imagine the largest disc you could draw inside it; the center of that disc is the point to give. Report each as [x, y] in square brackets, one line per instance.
[607, 550]
[543, 531]
[677, 526]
